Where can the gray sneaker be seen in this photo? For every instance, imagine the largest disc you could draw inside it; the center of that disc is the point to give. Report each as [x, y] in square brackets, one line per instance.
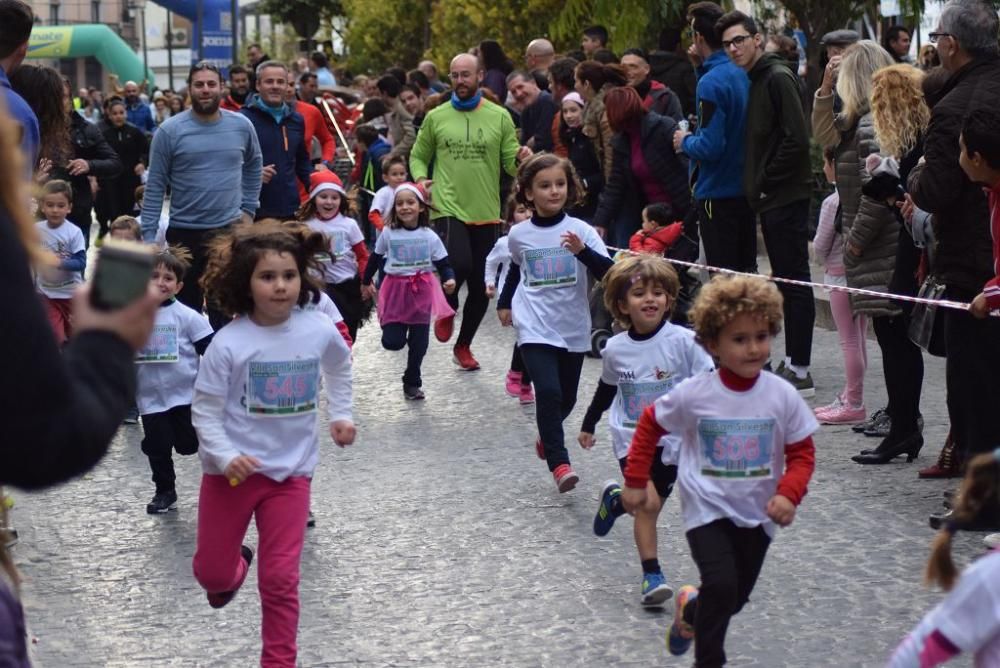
[805, 386]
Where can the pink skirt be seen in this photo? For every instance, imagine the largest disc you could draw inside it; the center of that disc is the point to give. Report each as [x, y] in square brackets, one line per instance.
[412, 300]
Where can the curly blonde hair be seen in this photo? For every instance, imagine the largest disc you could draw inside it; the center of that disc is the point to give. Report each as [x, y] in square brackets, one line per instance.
[623, 275]
[726, 297]
[899, 111]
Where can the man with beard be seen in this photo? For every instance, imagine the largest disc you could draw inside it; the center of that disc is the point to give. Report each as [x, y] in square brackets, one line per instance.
[468, 139]
[211, 161]
[239, 89]
[138, 112]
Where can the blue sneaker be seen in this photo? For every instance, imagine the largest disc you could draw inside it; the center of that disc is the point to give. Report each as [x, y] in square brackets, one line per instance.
[655, 590]
[605, 519]
[681, 634]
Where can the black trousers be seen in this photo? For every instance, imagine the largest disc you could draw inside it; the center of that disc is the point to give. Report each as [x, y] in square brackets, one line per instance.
[396, 336]
[728, 228]
[729, 559]
[786, 236]
[903, 368]
[517, 364]
[972, 377]
[163, 433]
[191, 294]
[347, 297]
[468, 246]
[556, 374]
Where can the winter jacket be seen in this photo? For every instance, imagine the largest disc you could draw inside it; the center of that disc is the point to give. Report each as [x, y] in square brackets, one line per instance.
[964, 257]
[140, 115]
[88, 144]
[676, 72]
[716, 147]
[776, 170]
[116, 196]
[868, 224]
[620, 206]
[536, 122]
[595, 126]
[401, 130]
[282, 144]
[657, 97]
[656, 242]
[584, 159]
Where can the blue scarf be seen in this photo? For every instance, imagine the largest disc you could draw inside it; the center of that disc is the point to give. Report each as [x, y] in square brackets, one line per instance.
[466, 105]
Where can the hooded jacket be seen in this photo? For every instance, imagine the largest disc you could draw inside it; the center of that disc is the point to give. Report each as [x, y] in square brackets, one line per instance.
[676, 73]
[281, 133]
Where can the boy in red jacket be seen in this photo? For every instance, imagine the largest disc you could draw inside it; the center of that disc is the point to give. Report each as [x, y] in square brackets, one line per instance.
[659, 230]
[980, 159]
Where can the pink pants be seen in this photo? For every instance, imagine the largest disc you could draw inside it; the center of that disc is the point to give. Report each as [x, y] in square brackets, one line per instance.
[281, 510]
[851, 329]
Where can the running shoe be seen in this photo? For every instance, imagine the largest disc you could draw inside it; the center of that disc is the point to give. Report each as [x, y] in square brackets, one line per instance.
[222, 598]
[804, 386]
[310, 521]
[132, 416]
[565, 478]
[464, 358]
[513, 384]
[681, 634]
[443, 328]
[605, 518]
[526, 395]
[412, 392]
[162, 502]
[842, 414]
[655, 590]
[877, 416]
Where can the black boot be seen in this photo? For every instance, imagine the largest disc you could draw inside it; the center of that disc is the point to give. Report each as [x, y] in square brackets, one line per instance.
[891, 448]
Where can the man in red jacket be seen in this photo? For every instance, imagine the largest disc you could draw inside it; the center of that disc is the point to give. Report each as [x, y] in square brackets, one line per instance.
[239, 88]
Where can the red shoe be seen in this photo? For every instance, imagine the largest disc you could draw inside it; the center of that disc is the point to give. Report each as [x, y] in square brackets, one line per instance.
[539, 449]
[443, 328]
[463, 356]
[565, 478]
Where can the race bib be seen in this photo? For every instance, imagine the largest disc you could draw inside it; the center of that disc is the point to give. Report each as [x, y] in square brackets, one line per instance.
[736, 449]
[161, 347]
[338, 243]
[282, 389]
[637, 397]
[410, 253]
[53, 278]
[549, 268]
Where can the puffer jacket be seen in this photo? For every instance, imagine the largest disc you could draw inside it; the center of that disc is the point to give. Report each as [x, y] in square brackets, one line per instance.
[868, 224]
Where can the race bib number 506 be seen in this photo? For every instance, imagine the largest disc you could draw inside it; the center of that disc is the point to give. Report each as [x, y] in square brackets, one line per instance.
[736, 449]
[281, 389]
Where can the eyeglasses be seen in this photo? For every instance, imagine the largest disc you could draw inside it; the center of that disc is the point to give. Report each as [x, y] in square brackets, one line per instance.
[935, 36]
[736, 41]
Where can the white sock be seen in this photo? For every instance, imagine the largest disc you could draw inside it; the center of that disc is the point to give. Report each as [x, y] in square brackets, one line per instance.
[788, 362]
[800, 371]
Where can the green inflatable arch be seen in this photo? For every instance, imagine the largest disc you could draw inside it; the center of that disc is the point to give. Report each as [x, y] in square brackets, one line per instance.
[89, 40]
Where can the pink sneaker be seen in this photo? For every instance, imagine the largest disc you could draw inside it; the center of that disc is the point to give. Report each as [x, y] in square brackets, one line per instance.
[565, 478]
[526, 394]
[514, 383]
[842, 414]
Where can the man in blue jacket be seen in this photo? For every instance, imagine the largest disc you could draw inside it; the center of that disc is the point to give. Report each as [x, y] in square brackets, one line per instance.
[281, 133]
[16, 20]
[727, 224]
[138, 112]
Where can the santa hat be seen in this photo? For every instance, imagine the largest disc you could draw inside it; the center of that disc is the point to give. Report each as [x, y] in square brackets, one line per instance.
[324, 180]
[414, 188]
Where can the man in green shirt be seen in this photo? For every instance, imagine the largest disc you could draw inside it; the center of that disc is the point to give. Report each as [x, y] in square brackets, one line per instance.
[469, 140]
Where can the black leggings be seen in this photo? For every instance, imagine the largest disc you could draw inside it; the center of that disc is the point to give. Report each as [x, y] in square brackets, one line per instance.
[347, 297]
[556, 373]
[163, 433]
[468, 246]
[517, 364]
[396, 336]
[903, 368]
[729, 559]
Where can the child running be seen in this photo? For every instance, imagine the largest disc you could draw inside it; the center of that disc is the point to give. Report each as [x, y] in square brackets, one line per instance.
[394, 174]
[968, 619]
[745, 461]
[659, 230]
[518, 383]
[410, 297]
[255, 412]
[167, 368]
[848, 407]
[640, 365]
[550, 256]
[347, 255]
[57, 282]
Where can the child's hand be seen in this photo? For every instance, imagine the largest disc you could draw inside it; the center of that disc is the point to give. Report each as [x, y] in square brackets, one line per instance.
[342, 432]
[505, 317]
[633, 499]
[449, 286]
[491, 291]
[586, 440]
[572, 243]
[368, 292]
[978, 307]
[781, 510]
[240, 468]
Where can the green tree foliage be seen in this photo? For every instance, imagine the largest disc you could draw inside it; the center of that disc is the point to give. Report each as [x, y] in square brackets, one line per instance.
[630, 22]
[385, 33]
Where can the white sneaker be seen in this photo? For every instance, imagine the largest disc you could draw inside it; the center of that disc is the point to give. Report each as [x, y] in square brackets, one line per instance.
[992, 541]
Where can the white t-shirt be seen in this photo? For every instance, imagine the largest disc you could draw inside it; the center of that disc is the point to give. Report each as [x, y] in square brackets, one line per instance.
[270, 377]
[499, 255]
[408, 252]
[732, 445]
[64, 242]
[644, 371]
[383, 201]
[325, 306]
[969, 617]
[550, 305]
[343, 233]
[168, 364]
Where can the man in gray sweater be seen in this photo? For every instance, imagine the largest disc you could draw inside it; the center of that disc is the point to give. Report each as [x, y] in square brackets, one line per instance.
[211, 161]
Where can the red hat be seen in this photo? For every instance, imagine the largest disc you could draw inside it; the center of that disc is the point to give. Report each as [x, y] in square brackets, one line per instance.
[325, 180]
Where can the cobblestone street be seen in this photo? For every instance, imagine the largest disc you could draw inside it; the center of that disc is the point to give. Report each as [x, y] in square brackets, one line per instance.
[441, 541]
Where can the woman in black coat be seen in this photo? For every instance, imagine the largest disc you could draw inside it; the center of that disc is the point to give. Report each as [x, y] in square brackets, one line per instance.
[655, 174]
[582, 155]
[116, 195]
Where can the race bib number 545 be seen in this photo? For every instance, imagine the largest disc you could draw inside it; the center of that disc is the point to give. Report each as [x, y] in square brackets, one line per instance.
[281, 389]
[736, 449]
